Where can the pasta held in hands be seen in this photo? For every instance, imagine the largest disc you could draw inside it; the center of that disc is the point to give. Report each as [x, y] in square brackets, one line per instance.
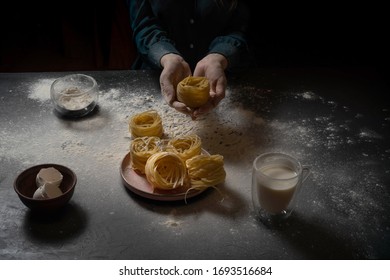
[193, 91]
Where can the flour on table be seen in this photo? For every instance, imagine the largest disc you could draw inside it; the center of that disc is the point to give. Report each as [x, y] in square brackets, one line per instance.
[40, 90]
[246, 123]
[308, 95]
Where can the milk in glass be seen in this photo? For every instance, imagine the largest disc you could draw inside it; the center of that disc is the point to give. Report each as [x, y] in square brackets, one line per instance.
[276, 185]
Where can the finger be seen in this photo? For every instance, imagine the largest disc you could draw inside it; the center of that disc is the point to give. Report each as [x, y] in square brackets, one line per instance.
[168, 92]
[220, 92]
[215, 99]
[204, 109]
[181, 107]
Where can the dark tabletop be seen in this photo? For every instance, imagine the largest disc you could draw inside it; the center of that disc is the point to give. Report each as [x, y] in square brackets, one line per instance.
[335, 121]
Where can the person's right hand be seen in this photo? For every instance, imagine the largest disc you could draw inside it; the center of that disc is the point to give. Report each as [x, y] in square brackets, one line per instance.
[175, 69]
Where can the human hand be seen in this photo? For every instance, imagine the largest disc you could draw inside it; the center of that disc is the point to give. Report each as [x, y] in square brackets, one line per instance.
[213, 68]
[175, 69]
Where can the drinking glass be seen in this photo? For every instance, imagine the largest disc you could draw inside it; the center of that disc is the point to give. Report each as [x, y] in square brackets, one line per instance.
[277, 180]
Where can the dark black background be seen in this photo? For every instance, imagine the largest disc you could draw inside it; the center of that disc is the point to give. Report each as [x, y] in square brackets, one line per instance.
[320, 33]
[282, 34]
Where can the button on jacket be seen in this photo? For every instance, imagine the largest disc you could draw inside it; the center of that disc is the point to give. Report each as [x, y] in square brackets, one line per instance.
[191, 28]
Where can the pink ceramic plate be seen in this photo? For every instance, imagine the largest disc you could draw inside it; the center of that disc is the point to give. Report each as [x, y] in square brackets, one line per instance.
[138, 184]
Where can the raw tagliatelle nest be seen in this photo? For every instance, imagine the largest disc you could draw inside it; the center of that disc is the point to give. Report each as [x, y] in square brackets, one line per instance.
[166, 170]
[141, 149]
[205, 170]
[185, 146]
[193, 91]
[146, 123]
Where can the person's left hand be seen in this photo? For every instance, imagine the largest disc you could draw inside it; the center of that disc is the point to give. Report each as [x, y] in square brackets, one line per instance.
[213, 68]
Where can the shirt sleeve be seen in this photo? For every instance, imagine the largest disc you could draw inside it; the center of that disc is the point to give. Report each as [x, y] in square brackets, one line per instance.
[150, 38]
[233, 44]
[233, 47]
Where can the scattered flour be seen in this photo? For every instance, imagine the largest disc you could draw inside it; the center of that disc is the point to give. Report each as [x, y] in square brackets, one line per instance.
[171, 223]
[234, 129]
[348, 167]
[248, 122]
[40, 90]
[307, 95]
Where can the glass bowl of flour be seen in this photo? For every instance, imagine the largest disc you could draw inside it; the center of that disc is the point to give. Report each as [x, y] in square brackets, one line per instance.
[74, 95]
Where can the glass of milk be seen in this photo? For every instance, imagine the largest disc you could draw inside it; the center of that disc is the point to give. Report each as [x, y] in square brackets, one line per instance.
[276, 182]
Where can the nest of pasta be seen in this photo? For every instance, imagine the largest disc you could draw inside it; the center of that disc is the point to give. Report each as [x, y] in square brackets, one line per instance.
[193, 91]
[146, 123]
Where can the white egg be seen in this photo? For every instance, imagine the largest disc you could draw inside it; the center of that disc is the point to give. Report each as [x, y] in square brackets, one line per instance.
[48, 181]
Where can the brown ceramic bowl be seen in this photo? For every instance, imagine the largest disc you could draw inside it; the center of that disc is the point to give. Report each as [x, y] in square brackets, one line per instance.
[25, 186]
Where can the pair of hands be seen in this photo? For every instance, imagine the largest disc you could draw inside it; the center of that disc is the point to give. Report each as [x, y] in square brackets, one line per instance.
[175, 69]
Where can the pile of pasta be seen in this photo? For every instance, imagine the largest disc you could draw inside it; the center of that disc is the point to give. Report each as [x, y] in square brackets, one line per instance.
[179, 162]
[193, 91]
[146, 123]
